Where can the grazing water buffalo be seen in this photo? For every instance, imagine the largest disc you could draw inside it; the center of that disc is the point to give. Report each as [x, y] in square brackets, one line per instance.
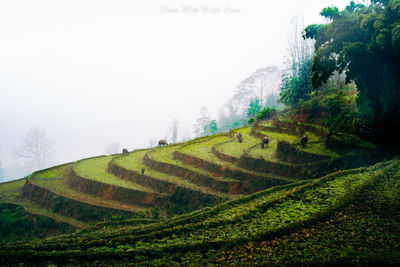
[264, 141]
[304, 141]
[162, 142]
[125, 152]
[239, 137]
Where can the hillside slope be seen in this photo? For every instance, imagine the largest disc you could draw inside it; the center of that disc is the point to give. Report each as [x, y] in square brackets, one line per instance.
[137, 207]
[348, 216]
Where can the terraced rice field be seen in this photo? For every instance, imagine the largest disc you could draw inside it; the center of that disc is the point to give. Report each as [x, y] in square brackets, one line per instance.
[249, 226]
[211, 191]
[96, 169]
[134, 162]
[54, 181]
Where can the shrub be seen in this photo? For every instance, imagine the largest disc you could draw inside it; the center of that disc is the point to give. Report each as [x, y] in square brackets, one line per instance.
[266, 113]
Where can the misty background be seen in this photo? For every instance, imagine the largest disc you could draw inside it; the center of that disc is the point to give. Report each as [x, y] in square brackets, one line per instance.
[92, 77]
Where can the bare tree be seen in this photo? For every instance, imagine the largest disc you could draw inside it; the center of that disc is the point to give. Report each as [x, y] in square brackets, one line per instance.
[299, 49]
[174, 130]
[259, 84]
[201, 122]
[230, 117]
[184, 134]
[113, 148]
[35, 148]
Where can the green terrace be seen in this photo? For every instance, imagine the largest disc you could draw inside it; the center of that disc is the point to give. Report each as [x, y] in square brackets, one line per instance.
[134, 162]
[261, 216]
[68, 202]
[166, 155]
[203, 151]
[96, 169]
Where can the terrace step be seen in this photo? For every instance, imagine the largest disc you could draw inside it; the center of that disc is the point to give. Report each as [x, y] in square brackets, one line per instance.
[193, 175]
[130, 167]
[312, 170]
[49, 189]
[35, 209]
[10, 192]
[250, 181]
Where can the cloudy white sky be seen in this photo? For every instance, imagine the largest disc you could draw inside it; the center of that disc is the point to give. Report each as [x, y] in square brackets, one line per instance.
[94, 72]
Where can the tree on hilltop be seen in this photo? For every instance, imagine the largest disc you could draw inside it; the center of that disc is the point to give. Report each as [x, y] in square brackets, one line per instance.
[296, 79]
[35, 149]
[174, 130]
[364, 43]
[258, 85]
[113, 148]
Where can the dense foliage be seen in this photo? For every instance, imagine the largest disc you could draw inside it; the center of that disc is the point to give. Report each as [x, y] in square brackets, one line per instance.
[266, 113]
[297, 87]
[334, 110]
[18, 224]
[364, 43]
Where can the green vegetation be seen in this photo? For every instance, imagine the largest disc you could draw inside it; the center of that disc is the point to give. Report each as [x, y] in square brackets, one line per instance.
[189, 176]
[363, 44]
[296, 86]
[166, 155]
[266, 113]
[17, 224]
[297, 222]
[96, 169]
[10, 194]
[58, 185]
[223, 199]
[9, 190]
[135, 162]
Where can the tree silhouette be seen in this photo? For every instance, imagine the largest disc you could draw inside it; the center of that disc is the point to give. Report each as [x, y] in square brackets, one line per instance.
[35, 148]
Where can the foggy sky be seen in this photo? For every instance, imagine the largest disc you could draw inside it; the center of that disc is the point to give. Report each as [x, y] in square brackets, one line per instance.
[94, 72]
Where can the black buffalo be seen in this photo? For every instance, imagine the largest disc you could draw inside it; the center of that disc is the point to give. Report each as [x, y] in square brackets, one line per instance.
[304, 141]
[125, 152]
[264, 141]
[239, 137]
[162, 142]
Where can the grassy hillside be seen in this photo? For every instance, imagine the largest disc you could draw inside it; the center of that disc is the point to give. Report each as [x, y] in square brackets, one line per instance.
[214, 200]
[326, 220]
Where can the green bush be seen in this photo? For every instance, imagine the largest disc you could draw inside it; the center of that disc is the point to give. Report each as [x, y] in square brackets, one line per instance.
[251, 121]
[266, 113]
[340, 113]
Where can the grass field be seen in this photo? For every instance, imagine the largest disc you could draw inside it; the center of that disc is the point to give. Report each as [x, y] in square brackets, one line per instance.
[166, 155]
[203, 150]
[10, 190]
[96, 169]
[135, 162]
